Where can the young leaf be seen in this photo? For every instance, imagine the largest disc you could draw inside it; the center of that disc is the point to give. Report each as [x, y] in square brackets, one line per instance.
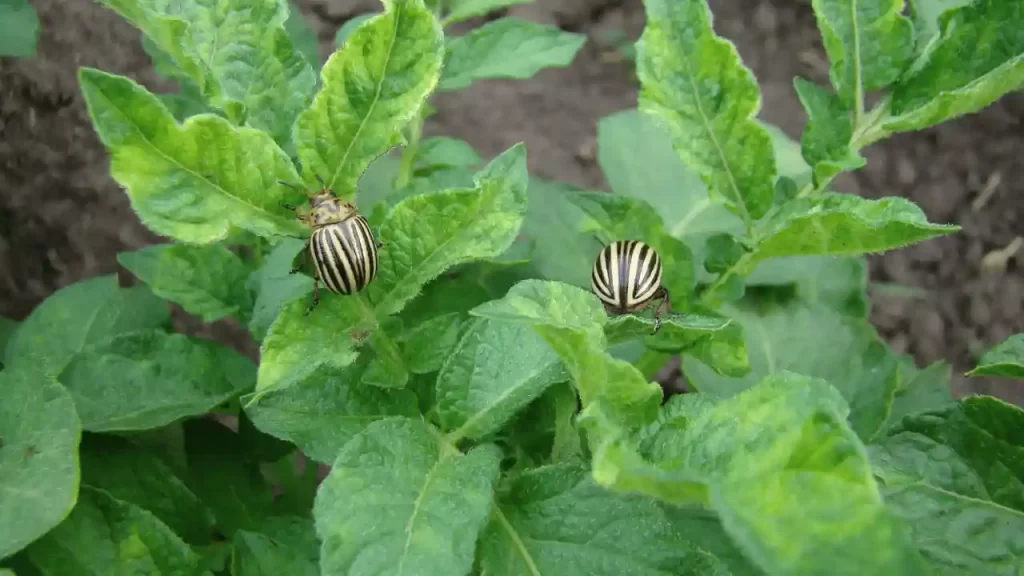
[507, 48]
[19, 29]
[495, 371]
[284, 545]
[40, 434]
[256, 77]
[425, 236]
[147, 379]
[1005, 360]
[274, 285]
[133, 475]
[372, 88]
[815, 341]
[84, 313]
[322, 412]
[948, 84]
[459, 10]
[869, 45]
[695, 82]
[399, 499]
[191, 182]
[104, 535]
[556, 519]
[827, 140]
[207, 281]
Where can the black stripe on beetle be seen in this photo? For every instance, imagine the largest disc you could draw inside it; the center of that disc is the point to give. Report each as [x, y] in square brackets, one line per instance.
[626, 277]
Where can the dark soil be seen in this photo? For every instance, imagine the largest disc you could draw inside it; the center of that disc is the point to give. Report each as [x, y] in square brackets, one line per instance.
[63, 219]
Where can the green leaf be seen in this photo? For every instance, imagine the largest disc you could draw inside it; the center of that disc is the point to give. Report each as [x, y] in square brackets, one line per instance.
[256, 77]
[231, 486]
[147, 379]
[39, 438]
[350, 26]
[926, 15]
[133, 475]
[920, 391]
[715, 341]
[19, 30]
[816, 341]
[275, 286]
[284, 546]
[425, 236]
[507, 48]
[869, 45]
[556, 517]
[8, 328]
[978, 58]
[104, 535]
[443, 152]
[192, 182]
[789, 479]
[459, 10]
[76, 316]
[207, 281]
[302, 37]
[372, 87]
[398, 499]
[494, 372]
[695, 82]
[325, 410]
[426, 347]
[827, 140]
[839, 283]
[723, 252]
[1005, 360]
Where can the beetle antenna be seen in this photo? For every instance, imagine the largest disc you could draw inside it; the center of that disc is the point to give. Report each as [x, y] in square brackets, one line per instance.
[289, 184]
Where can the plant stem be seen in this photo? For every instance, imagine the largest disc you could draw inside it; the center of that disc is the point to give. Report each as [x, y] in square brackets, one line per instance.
[410, 152]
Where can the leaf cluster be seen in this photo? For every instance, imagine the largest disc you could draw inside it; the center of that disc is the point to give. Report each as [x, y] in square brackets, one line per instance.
[476, 410]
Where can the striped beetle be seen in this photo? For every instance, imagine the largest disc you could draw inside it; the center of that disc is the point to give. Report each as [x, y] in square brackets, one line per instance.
[342, 246]
[627, 277]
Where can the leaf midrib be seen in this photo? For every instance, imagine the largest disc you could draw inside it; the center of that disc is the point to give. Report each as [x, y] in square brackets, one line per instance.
[517, 541]
[417, 506]
[460, 432]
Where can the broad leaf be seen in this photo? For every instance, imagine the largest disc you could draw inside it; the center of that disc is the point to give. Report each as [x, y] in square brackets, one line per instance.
[552, 226]
[716, 341]
[257, 77]
[76, 316]
[443, 152]
[507, 48]
[196, 181]
[397, 500]
[459, 10]
[207, 281]
[134, 475]
[827, 140]
[556, 519]
[426, 346]
[372, 87]
[147, 379]
[926, 15]
[812, 340]
[104, 535]
[275, 286]
[695, 83]
[425, 235]
[495, 371]
[978, 58]
[322, 412]
[19, 29]
[303, 37]
[1006, 359]
[40, 434]
[920, 390]
[869, 44]
[840, 283]
[283, 546]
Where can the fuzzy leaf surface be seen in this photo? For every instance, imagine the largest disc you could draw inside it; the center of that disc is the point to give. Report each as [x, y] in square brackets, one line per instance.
[496, 369]
[978, 58]
[275, 286]
[717, 342]
[399, 501]
[104, 535]
[39, 474]
[147, 379]
[76, 316]
[207, 281]
[869, 44]
[287, 545]
[507, 48]
[322, 412]
[195, 181]
[1006, 359]
[926, 15]
[425, 235]
[695, 82]
[372, 87]
[556, 517]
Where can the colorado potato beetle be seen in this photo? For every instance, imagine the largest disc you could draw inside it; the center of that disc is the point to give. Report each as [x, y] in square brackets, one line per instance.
[627, 277]
[342, 246]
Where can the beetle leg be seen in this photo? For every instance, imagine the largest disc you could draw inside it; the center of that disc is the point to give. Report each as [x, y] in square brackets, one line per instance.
[316, 295]
[664, 305]
[305, 250]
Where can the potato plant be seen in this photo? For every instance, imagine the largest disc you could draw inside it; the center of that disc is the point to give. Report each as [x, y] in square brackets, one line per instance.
[479, 410]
